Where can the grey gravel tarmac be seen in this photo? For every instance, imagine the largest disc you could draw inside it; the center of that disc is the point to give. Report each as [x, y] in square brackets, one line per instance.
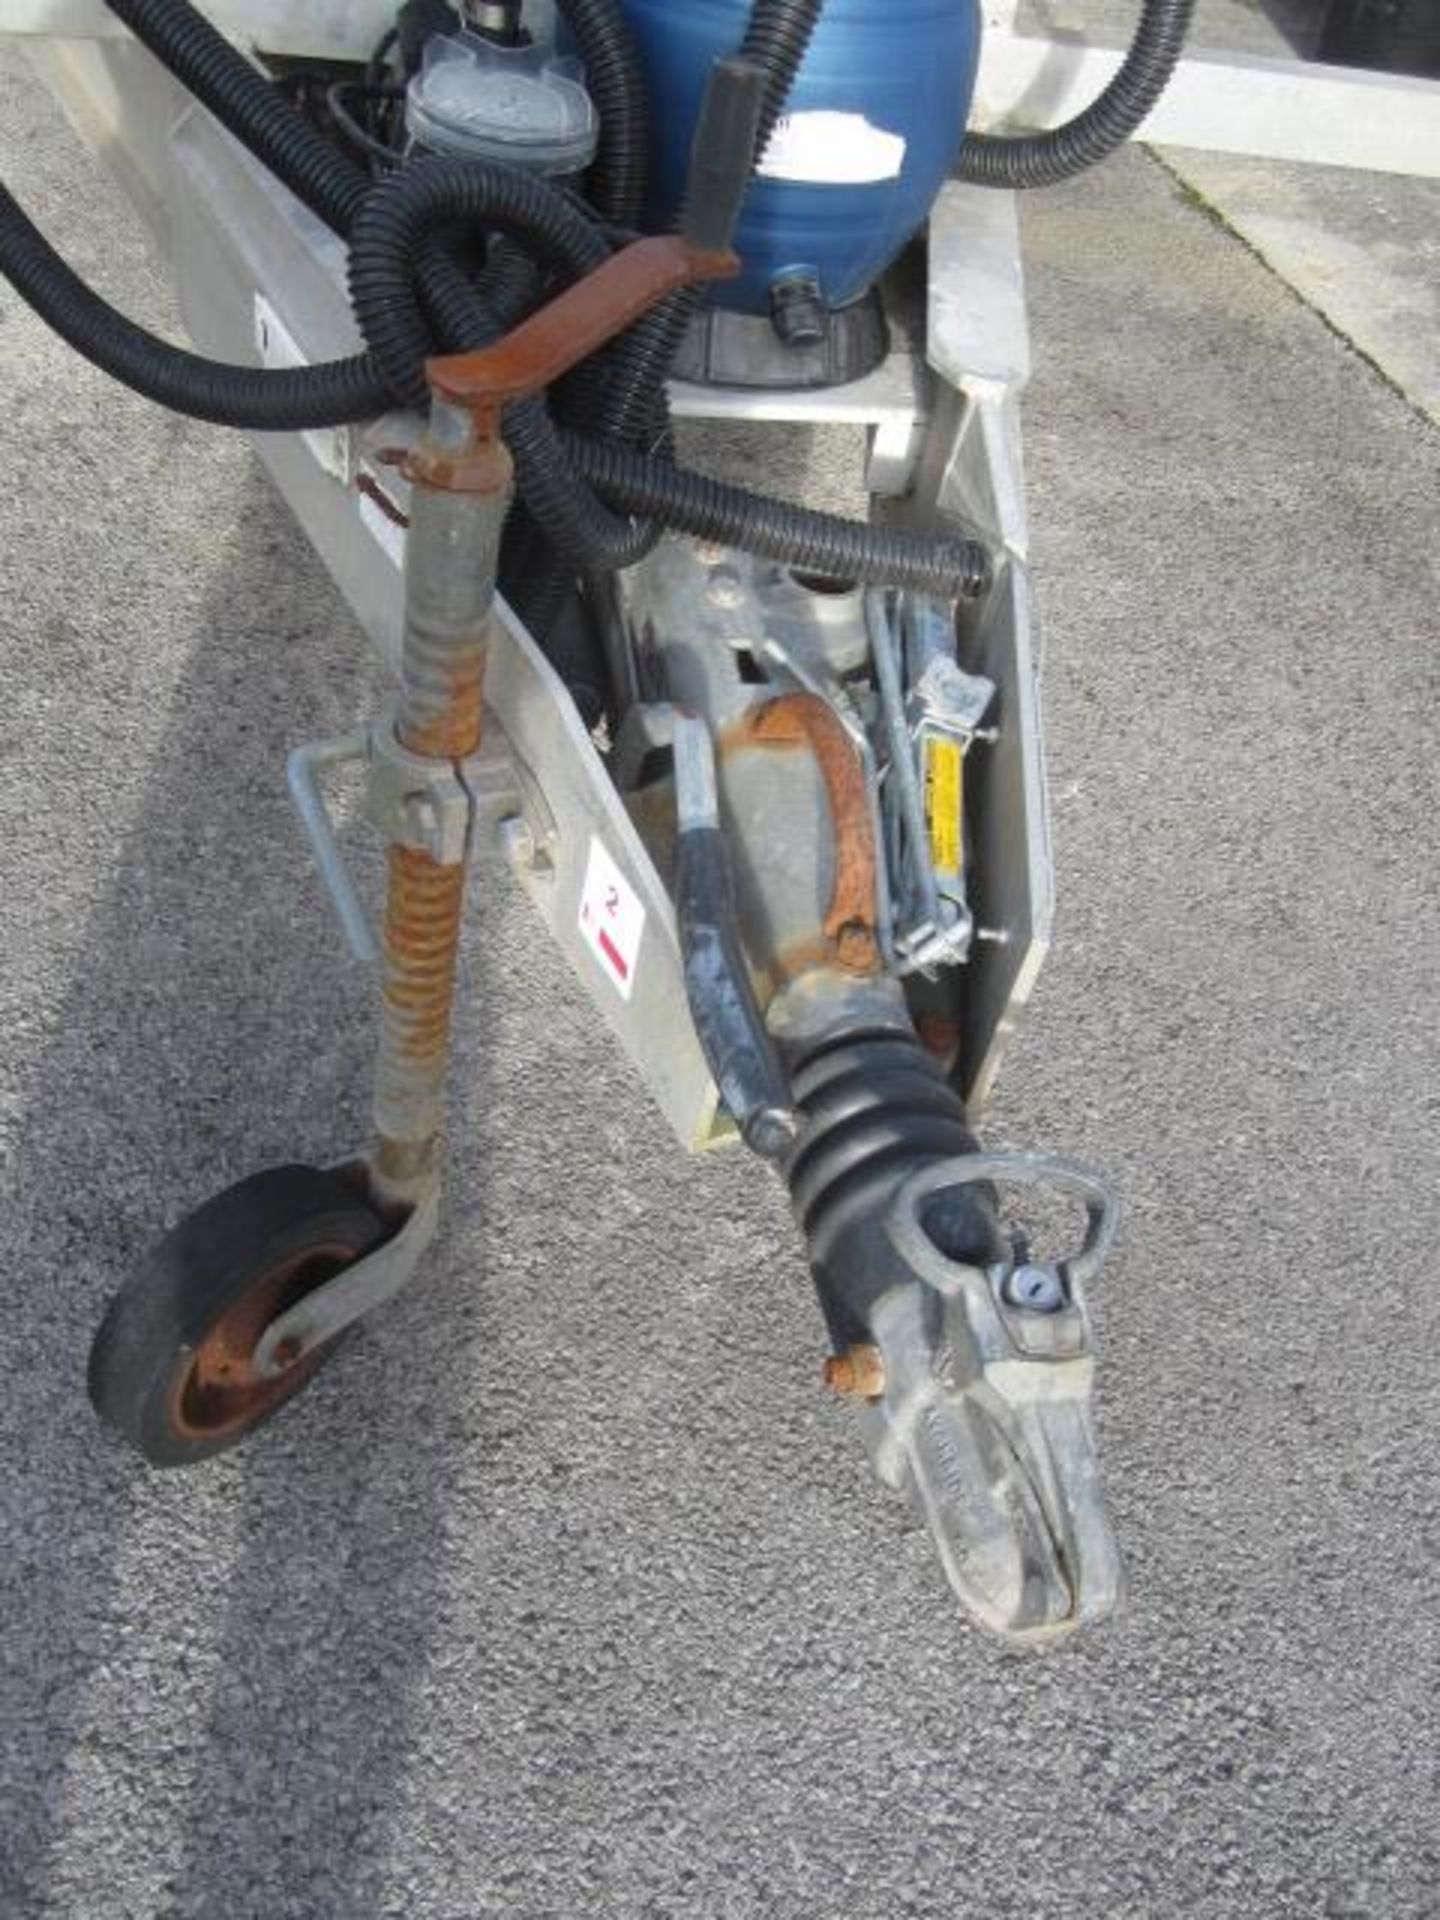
[565, 1592]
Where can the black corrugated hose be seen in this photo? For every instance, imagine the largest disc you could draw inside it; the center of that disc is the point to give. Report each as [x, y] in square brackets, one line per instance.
[384, 244]
[357, 389]
[631, 404]
[282, 401]
[617, 86]
[262, 119]
[947, 568]
[1043, 159]
[388, 307]
[776, 38]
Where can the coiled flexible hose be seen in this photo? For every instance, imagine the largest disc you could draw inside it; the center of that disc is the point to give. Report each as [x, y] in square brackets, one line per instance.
[387, 238]
[1043, 159]
[384, 245]
[389, 309]
[591, 535]
[576, 522]
[357, 389]
[776, 39]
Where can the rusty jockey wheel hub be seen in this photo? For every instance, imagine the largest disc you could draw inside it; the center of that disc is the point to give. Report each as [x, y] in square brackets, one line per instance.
[219, 1392]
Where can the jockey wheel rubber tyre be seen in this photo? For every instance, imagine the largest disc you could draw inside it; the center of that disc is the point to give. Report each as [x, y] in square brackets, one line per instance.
[170, 1368]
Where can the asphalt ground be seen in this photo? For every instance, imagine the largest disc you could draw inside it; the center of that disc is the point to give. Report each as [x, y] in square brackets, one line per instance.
[565, 1591]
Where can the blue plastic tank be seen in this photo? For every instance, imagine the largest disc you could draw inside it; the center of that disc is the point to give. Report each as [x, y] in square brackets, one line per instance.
[870, 131]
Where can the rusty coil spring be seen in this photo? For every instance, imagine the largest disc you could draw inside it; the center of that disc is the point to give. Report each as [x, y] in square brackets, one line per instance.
[422, 937]
[440, 717]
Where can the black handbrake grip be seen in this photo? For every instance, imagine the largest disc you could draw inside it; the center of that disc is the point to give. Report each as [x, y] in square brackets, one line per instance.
[722, 154]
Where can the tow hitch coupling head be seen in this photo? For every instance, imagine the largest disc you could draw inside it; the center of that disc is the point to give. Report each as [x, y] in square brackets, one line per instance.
[980, 1405]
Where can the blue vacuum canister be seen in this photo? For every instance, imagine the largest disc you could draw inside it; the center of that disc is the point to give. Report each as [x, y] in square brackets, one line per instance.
[871, 128]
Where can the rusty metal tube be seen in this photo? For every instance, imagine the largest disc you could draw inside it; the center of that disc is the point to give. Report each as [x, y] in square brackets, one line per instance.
[461, 490]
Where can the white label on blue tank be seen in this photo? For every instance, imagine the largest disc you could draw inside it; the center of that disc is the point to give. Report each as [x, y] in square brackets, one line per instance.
[832, 149]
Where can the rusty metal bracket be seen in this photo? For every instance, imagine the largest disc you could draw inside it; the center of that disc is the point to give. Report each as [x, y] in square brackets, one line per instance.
[572, 326]
[416, 801]
[804, 719]
[430, 806]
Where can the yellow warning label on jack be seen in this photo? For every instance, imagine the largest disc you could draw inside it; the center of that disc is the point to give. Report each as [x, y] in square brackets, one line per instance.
[944, 801]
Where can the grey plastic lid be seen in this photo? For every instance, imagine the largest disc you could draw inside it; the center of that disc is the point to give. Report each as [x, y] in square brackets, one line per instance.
[519, 105]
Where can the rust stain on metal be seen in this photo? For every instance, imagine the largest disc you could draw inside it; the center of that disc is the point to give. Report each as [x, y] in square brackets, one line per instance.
[798, 958]
[569, 328]
[803, 719]
[856, 1374]
[220, 1392]
[422, 938]
[938, 1035]
[483, 466]
[440, 720]
[453, 731]
[367, 484]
